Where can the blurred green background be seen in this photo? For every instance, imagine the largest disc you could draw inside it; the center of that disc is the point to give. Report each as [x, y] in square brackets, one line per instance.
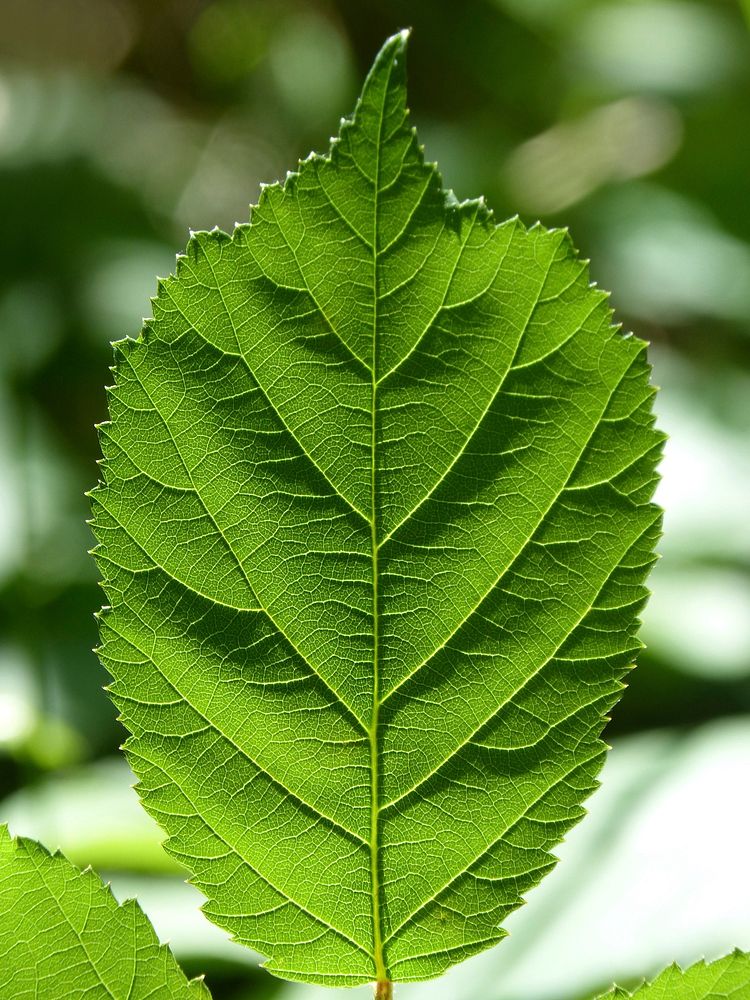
[125, 122]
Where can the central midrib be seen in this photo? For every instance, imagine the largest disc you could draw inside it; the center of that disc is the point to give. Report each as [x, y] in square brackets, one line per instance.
[381, 972]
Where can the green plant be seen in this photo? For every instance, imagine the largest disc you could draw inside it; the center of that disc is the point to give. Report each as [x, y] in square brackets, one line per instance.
[726, 977]
[374, 529]
[63, 934]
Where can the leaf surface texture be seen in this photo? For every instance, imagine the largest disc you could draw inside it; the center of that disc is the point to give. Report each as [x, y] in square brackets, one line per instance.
[374, 528]
[727, 978]
[64, 936]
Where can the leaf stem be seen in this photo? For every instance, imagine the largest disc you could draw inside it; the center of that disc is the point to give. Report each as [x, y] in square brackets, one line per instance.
[384, 990]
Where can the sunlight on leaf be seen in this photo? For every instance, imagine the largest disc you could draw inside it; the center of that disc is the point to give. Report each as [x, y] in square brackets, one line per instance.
[64, 935]
[726, 979]
[666, 806]
[374, 530]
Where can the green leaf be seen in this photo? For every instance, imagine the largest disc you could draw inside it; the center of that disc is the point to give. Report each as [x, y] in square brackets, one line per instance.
[727, 978]
[374, 531]
[64, 936]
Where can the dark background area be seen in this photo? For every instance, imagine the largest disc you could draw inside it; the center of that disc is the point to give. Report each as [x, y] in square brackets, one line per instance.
[123, 123]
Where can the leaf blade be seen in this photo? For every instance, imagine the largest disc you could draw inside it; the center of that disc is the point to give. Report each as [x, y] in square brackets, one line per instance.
[375, 526]
[64, 935]
[722, 979]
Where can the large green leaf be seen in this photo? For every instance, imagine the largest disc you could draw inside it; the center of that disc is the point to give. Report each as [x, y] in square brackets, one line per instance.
[64, 936]
[727, 978]
[374, 530]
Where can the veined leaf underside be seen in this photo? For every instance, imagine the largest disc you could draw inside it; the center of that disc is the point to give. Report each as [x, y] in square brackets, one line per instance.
[374, 528]
[64, 936]
[726, 978]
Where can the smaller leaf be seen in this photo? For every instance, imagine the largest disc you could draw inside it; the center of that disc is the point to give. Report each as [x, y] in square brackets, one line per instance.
[727, 978]
[64, 936]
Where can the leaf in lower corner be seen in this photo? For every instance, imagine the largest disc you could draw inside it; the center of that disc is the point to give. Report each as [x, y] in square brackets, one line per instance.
[374, 530]
[727, 978]
[64, 936]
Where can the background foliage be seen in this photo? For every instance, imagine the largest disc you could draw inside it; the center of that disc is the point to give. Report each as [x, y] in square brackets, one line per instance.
[123, 122]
